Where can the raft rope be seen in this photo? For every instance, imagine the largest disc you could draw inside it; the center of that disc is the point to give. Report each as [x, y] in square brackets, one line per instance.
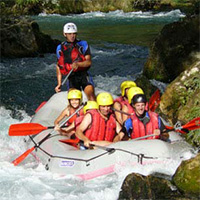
[139, 156]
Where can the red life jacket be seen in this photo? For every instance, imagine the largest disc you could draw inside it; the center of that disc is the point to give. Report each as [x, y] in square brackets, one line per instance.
[71, 111]
[139, 129]
[69, 54]
[100, 128]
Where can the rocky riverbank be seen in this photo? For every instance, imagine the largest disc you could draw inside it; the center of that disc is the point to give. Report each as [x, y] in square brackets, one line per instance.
[21, 37]
[63, 7]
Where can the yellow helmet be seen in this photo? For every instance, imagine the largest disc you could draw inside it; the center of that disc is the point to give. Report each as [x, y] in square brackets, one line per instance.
[133, 91]
[125, 85]
[74, 94]
[104, 99]
[90, 105]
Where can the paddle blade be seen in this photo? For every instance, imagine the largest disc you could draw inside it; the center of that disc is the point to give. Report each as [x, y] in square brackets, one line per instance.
[193, 122]
[154, 101]
[22, 157]
[25, 129]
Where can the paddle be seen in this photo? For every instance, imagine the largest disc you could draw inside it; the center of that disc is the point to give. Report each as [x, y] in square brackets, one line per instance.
[154, 100]
[191, 125]
[63, 82]
[25, 154]
[27, 129]
[120, 111]
[67, 77]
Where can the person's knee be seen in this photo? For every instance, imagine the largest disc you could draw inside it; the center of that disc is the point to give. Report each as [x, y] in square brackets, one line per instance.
[89, 91]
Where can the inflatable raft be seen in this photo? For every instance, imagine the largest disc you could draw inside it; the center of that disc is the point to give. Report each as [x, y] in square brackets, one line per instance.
[66, 159]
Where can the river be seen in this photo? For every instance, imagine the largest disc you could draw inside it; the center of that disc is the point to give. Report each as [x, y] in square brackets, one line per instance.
[120, 45]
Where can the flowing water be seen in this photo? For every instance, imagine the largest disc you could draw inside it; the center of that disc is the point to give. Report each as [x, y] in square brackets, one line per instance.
[119, 44]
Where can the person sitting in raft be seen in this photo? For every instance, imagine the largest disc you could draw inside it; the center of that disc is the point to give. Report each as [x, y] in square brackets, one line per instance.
[74, 54]
[90, 105]
[99, 126]
[127, 108]
[75, 99]
[143, 122]
[123, 99]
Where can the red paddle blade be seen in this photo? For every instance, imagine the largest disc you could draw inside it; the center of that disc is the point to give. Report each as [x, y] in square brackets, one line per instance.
[73, 142]
[22, 157]
[195, 121]
[25, 129]
[192, 126]
[154, 101]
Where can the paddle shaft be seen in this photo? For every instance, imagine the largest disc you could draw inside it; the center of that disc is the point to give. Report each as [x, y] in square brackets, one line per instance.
[67, 77]
[120, 111]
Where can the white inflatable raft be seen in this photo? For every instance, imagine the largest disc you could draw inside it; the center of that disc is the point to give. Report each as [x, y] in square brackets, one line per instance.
[65, 159]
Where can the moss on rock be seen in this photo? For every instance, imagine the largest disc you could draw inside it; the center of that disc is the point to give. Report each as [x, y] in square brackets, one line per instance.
[187, 177]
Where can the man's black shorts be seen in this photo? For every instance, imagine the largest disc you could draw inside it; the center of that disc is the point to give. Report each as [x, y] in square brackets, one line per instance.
[79, 80]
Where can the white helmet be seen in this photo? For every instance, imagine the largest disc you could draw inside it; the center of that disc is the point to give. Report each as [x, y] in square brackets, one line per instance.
[70, 28]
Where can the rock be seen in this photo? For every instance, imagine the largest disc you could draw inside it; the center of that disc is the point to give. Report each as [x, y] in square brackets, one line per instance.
[172, 51]
[136, 186]
[187, 177]
[181, 100]
[146, 85]
[21, 37]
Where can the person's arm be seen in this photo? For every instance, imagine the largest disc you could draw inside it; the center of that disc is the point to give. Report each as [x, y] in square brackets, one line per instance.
[163, 135]
[59, 79]
[64, 113]
[68, 131]
[120, 133]
[83, 64]
[87, 120]
[124, 116]
[118, 115]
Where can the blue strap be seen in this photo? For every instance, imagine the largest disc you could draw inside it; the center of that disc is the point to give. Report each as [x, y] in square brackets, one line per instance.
[84, 46]
[129, 126]
[58, 49]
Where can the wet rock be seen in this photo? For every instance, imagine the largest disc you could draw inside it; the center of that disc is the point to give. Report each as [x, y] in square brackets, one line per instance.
[21, 37]
[146, 85]
[173, 50]
[187, 177]
[181, 100]
[136, 186]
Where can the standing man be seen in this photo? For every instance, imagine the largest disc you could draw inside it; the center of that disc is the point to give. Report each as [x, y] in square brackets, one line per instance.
[74, 54]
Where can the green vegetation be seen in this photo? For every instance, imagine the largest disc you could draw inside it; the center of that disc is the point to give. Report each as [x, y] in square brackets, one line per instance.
[26, 2]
